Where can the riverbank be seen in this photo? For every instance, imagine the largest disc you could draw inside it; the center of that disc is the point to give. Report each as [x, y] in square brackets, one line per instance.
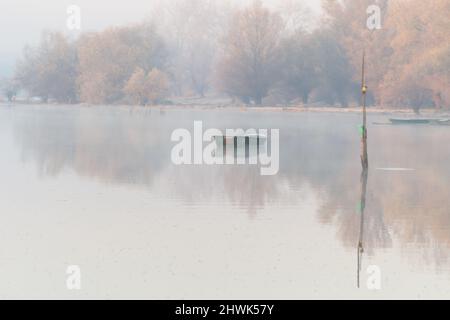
[293, 109]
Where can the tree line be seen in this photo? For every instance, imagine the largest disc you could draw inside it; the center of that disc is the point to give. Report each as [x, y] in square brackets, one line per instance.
[254, 54]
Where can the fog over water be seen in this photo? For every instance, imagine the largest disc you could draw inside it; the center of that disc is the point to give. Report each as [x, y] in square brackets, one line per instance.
[96, 187]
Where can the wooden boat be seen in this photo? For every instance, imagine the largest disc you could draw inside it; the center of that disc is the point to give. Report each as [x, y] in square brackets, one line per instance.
[245, 146]
[247, 138]
[441, 122]
[444, 122]
[412, 121]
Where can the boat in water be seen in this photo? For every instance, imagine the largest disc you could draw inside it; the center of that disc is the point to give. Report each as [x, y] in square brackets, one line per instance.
[420, 121]
[444, 122]
[229, 139]
[410, 121]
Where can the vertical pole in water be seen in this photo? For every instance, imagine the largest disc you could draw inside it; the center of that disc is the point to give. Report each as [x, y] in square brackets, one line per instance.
[364, 156]
[362, 208]
[365, 170]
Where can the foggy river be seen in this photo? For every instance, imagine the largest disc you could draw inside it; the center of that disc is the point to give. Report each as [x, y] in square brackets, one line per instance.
[96, 187]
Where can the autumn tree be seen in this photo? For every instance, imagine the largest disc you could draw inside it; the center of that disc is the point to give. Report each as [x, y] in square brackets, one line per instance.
[135, 88]
[151, 87]
[419, 73]
[407, 59]
[250, 62]
[109, 58]
[348, 21]
[158, 86]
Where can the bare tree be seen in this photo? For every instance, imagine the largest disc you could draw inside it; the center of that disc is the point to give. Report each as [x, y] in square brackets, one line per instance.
[9, 87]
[249, 65]
[299, 69]
[191, 30]
[50, 69]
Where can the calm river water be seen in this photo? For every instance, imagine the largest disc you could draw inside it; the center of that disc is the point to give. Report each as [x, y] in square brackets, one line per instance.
[96, 188]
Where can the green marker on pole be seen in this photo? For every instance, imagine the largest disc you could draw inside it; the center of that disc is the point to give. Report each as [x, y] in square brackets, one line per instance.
[361, 130]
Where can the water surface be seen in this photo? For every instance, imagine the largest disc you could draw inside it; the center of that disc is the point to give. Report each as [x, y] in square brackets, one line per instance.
[95, 187]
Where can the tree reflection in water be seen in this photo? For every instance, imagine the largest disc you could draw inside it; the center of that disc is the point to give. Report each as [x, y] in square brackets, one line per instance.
[316, 151]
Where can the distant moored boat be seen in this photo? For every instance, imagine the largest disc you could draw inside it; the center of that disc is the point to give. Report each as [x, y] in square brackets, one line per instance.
[444, 122]
[411, 121]
[421, 121]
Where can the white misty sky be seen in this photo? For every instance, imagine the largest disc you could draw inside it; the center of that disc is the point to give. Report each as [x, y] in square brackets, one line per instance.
[22, 21]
